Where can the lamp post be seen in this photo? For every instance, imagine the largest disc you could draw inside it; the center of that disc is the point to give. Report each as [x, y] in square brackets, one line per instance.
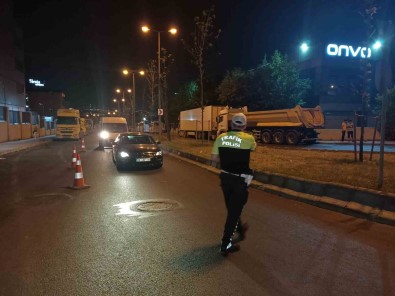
[123, 99]
[133, 103]
[116, 101]
[172, 31]
[123, 107]
[43, 107]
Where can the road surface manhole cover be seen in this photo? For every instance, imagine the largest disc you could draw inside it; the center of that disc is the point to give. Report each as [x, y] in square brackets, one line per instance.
[46, 198]
[153, 206]
[147, 208]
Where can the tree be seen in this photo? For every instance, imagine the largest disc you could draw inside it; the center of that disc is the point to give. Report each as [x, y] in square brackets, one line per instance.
[286, 86]
[274, 84]
[166, 61]
[390, 113]
[151, 76]
[186, 97]
[233, 89]
[202, 40]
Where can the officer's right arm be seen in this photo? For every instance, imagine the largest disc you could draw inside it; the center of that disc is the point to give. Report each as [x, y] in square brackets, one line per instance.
[215, 153]
[253, 144]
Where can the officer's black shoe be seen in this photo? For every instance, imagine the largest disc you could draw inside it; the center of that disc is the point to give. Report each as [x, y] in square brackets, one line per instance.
[241, 232]
[229, 247]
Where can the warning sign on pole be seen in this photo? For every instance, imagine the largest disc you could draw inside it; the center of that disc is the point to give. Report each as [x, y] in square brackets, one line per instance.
[160, 111]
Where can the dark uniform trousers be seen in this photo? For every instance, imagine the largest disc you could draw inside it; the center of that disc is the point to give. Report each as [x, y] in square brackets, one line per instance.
[236, 196]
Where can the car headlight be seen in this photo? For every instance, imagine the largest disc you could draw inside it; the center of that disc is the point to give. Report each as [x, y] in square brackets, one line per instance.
[123, 154]
[159, 153]
[104, 135]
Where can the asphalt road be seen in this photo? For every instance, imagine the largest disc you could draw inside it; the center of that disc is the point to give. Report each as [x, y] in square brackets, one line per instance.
[157, 233]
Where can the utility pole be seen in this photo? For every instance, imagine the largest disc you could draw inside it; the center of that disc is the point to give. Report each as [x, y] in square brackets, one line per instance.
[369, 10]
[383, 82]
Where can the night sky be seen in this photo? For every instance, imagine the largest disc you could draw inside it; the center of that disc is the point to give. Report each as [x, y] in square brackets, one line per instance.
[80, 47]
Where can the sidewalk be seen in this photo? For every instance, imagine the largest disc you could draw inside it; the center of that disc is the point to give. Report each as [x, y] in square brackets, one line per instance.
[16, 146]
[376, 143]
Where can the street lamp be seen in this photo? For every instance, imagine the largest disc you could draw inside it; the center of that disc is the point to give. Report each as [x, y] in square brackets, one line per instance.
[123, 106]
[304, 47]
[116, 101]
[123, 98]
[133, 103]
[43, 107]
[172, 31]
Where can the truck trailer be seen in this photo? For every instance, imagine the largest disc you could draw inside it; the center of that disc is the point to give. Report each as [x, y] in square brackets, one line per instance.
[284, 126]
[190, 122]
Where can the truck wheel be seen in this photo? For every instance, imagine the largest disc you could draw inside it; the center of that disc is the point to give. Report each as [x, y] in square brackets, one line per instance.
[292, 138]
[278, 137]
[266, 137]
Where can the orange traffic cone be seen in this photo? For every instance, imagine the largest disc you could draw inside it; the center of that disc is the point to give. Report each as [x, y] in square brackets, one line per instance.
[79, 182]
[83, 145]
[74, 158]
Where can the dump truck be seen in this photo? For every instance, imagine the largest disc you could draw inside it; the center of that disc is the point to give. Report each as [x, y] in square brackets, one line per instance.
[190, 122]
[68, 125]
[284, 126]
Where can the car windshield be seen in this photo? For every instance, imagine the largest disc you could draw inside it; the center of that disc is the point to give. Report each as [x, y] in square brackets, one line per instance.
[139, 139]
[67, 120]
[115, 127]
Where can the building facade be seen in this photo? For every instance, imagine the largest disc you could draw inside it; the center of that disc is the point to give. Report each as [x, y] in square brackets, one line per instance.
[12, 78]
[337, 74]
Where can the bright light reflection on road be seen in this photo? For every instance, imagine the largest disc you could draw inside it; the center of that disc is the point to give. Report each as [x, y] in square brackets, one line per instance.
[146, 208]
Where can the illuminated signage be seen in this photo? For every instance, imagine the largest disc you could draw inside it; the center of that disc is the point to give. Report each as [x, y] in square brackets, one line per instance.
[348, 51]
[36, 82]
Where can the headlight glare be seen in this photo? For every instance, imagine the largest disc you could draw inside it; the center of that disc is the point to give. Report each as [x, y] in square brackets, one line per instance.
[104, 135]
[123, 154]
[159, 153]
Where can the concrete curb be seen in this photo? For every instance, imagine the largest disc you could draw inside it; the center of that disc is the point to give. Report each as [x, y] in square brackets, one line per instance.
[24, 147]
[360, 202]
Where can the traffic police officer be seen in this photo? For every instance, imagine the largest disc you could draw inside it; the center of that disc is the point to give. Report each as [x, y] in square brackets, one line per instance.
[232, 151]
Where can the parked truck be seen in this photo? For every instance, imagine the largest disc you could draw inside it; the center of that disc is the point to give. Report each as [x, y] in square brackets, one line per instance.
[190, 122]
[68, 124]
[290, 126]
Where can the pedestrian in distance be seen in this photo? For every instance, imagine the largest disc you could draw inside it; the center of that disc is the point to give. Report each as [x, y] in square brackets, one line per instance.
[350, 130]
[232, 151]
[344, 129]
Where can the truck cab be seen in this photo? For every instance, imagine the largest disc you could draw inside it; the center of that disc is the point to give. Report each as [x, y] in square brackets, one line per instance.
[68, 125]
[225, 116]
